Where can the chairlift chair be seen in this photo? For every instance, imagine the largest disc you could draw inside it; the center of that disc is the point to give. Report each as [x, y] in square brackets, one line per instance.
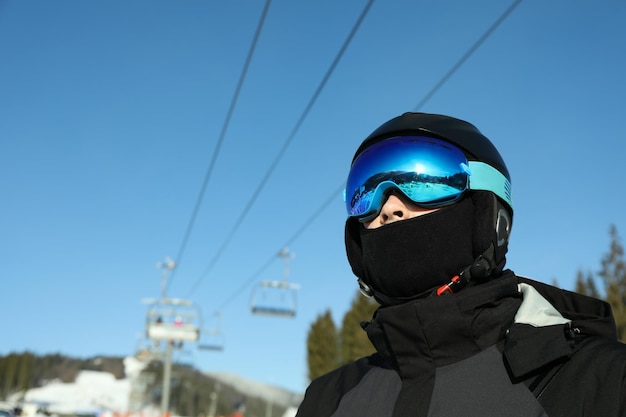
[274, 298]
[173, 320]
[211, 339]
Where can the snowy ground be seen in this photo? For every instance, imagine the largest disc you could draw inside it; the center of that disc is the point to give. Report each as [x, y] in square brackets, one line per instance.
[93, 393]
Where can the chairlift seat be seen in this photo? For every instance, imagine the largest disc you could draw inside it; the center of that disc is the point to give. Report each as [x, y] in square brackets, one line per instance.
[274, 311]
[168, 331]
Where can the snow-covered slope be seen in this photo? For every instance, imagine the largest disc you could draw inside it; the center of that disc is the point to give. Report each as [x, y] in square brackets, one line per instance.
[91, 393]
[257, 389]
[101, 394]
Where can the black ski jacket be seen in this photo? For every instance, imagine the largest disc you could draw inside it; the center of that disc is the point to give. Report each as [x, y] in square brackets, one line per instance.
[510, 347]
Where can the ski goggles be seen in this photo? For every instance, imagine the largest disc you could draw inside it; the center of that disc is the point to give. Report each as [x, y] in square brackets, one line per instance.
[428, 171]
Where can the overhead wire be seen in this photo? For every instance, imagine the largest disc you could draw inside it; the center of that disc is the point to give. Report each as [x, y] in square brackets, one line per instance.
[282, 151]
[218, 146]
[467, 54]
[421, 103]
[288, 243]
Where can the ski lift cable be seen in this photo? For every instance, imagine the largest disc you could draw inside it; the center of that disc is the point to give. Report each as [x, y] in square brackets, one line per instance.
[218, 146]
[282, 151]
[467, 54]
[334, 194]
[293, 238]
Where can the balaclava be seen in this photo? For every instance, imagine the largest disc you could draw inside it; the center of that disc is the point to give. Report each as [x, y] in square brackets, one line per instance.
[410, 258]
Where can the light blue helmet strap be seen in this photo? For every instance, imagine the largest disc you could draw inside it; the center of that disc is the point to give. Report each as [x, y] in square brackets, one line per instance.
[486, 178]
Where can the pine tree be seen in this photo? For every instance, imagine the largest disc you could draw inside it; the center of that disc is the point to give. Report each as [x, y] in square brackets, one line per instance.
[586, 285]
[613, 277]
[613, 274]
[11, 364]
[25, 374]
[322, 346]
[353, 339]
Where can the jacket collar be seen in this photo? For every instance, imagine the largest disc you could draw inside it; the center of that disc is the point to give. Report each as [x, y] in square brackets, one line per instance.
[437, 331]
[536, 310]
[427, 333]
[592, 317]
[550, 323]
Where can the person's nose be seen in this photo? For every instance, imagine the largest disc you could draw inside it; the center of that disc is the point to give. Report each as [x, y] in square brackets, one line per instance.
[393, 210]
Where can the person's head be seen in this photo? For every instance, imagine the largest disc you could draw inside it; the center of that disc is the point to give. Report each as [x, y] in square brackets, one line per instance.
[428, 198]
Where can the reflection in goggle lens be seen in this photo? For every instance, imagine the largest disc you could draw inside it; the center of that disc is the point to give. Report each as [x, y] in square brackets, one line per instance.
[428, 171]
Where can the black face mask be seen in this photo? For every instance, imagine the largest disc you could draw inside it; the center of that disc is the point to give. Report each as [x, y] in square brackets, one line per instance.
[411, 257]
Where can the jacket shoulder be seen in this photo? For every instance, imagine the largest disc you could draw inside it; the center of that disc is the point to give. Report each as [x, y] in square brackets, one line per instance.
[591, 383]
[324, 393]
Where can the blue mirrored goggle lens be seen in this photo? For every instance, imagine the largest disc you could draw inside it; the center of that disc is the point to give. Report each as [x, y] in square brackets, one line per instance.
[428, 171]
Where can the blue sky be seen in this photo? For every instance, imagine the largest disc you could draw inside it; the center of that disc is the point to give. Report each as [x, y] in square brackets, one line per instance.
[110, 113]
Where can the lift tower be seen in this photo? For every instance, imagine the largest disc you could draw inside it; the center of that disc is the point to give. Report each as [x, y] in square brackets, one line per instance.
[172, 321]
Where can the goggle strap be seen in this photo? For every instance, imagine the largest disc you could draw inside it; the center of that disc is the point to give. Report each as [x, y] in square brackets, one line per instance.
[484, 177]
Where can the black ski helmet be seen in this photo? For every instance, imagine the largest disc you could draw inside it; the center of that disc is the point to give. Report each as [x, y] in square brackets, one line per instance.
[493, 218]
